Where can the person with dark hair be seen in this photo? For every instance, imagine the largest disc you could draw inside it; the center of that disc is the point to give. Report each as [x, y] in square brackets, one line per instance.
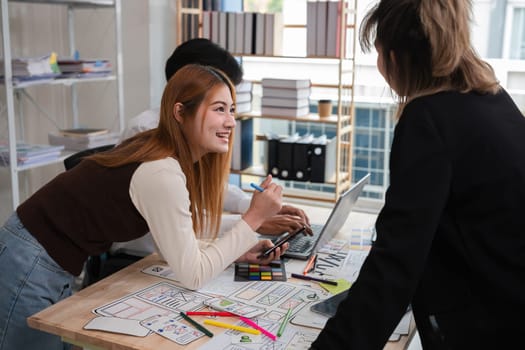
[205, 52]
[451, 235]
[194, 51]
[169, 181]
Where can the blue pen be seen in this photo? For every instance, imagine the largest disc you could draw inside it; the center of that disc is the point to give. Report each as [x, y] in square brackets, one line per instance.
[258, 188]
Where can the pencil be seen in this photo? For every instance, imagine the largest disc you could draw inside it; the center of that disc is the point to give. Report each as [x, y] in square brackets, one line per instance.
[310, 278]
[256, 326]
[232, 326]
[309, 264]
[197, 325]
[285, 321]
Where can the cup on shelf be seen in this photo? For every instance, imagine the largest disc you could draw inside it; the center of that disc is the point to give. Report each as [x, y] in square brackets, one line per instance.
[324, 108]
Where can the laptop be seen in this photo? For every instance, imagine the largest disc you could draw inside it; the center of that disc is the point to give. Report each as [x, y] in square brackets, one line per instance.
[302, 247]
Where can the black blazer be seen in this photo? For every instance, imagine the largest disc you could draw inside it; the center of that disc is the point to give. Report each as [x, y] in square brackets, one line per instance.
[451, 235]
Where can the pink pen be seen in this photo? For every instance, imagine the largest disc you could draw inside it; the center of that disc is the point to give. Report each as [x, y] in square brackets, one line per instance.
[256, 326]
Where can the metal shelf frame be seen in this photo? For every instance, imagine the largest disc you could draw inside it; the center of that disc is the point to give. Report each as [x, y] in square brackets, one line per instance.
[11, 89]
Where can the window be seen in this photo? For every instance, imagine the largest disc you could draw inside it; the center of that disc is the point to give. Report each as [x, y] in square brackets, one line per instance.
[373, 131]
[517, 42]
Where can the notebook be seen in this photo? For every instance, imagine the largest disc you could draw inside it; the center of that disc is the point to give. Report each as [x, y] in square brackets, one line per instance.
[302, 247]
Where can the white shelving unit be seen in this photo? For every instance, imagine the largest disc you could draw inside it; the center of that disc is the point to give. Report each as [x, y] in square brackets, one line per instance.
[15, 91]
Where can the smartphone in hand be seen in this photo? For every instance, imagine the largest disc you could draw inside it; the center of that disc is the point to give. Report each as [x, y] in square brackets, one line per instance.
[280, 242]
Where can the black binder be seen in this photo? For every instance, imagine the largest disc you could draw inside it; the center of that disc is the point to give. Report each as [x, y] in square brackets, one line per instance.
[301, 160]
[323, 159]
[285, 159]
[272, 165]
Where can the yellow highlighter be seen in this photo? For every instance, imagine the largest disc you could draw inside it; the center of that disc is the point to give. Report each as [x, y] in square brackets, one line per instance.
[232, 326]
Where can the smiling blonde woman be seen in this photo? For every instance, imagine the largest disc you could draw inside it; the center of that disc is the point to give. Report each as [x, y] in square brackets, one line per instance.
[169, 181]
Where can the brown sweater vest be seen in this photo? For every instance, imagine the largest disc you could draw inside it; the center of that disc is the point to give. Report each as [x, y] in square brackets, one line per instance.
[82, 211]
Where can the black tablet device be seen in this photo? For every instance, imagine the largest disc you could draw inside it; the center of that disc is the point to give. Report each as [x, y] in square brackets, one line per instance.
[328, 307]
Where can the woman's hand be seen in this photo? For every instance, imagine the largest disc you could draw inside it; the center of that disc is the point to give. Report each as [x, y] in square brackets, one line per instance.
[264, 204]
[278, 224]
[251, 256]
[293, 211]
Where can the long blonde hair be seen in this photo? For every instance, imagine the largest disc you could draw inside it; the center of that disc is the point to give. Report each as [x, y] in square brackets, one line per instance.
[430, 42]
[206, 178]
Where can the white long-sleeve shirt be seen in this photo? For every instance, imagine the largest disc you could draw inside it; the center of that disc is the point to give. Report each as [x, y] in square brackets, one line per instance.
[235, 201]
[158, 190]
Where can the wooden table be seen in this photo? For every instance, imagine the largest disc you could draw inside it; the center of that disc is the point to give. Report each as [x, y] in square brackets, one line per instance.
[68, 317]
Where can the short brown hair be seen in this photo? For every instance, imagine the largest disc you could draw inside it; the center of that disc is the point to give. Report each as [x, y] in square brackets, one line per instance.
[430, 40]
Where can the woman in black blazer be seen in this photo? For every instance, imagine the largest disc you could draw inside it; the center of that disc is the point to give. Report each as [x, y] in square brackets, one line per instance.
[451, 235]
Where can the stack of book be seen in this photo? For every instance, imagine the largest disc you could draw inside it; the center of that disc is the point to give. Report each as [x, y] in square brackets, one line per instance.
[72, 68]
[285, 97]
[28, 154]
[33, 68]
[243, 92]
[245, 33]
[323, 28]
[83, 138]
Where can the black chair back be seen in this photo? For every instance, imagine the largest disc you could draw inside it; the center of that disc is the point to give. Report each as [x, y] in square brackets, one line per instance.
[74, 159]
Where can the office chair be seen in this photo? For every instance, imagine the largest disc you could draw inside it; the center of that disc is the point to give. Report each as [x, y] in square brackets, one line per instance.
[74, 159]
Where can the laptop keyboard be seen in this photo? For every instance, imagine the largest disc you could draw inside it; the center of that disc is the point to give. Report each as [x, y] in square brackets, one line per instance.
[302, 243]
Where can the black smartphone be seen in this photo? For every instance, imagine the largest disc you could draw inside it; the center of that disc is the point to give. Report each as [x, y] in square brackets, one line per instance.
[280, 242]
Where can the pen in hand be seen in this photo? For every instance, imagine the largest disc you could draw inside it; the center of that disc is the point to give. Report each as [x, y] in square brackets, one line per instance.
[257, 187]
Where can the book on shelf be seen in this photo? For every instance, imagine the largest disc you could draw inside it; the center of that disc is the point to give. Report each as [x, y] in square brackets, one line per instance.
[243, 96]
[286, 93]
[245, 33]
[212, 5]
[284, 102]
[78, 143]
[285, 112]
[214, 33]
[189, 26]
[84, 66]
[239, 33]
[321, 23]
[32, 70]
[243, 86]
[286, 83]
[273, 37]
[82, 132]
[33, 66]
[30, 153]
[230, 42]
[333, 28]
[259, 33]
[243, 107]
[248, 33]
[206, 24]
[311, 28]
[223, 29]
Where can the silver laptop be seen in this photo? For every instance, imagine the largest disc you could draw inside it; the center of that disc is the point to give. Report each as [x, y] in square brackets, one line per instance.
[302, 247]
